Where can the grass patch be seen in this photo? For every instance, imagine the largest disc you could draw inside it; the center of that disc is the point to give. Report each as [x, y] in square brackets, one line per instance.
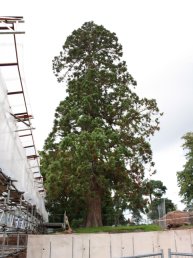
[118, 229]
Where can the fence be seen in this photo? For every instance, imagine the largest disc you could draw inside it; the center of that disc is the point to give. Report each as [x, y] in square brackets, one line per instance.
[170, 254]
[159, 254]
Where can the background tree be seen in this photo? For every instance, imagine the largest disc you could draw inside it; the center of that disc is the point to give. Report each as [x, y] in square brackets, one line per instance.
[156, 203]
[138, 205]
[154, 190]
[185, 177]
[99, 142]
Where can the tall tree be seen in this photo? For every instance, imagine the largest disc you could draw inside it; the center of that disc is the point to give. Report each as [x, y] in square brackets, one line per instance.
[99, 142]
[185, 177]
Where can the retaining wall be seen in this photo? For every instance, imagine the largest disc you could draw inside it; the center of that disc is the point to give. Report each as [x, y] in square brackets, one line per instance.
[109, 245]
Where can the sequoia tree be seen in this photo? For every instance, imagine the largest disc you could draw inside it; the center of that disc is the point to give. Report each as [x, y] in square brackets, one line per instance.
[100, 139]
[185, 177]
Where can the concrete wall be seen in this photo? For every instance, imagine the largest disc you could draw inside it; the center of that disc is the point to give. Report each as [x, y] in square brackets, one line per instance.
[109, 245]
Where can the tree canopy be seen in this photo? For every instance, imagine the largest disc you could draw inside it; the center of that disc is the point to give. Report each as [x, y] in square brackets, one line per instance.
[185, 177]
[99, 145]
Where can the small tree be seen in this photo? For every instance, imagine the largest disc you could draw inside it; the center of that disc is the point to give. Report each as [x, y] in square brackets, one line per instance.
[154, 189]
[99, 142]
[154, 206]
[185, 177]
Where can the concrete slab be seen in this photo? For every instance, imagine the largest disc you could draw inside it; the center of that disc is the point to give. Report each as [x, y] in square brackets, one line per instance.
[100, 245]
[183, 241]
[127, 244]
[81, 246]
[116, 245]
[144, 243]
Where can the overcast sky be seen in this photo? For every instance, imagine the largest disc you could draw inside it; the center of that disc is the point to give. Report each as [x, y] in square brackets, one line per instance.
[157, 43]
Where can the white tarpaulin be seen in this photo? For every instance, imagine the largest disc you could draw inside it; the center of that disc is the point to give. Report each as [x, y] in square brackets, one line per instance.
[15, 149]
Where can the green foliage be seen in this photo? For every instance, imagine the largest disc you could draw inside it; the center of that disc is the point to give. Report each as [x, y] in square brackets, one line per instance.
[185, 177]
[119, 229]
[154, 189]
[99, 142]
[153, 207]
[170, 206]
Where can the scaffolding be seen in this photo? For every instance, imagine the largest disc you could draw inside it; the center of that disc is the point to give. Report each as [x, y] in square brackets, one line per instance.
[22, 194]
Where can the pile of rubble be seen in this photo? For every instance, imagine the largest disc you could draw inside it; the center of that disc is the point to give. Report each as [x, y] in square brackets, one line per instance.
[176, 219]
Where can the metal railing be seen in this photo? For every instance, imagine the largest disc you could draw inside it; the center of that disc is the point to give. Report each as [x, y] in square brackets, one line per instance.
[170, 254]
[159, 254]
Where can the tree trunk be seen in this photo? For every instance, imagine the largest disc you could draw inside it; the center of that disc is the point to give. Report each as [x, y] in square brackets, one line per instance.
[94, 216]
